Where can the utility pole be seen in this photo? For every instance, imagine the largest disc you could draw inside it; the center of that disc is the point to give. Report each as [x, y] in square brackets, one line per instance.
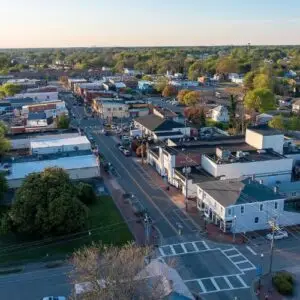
[274, 229]
[186, 188]
[147, 222]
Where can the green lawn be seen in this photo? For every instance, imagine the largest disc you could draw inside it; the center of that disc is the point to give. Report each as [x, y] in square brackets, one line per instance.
[105, 225]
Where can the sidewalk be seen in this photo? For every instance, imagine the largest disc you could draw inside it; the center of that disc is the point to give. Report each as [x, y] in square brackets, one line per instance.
[213, 231]
[135, 225]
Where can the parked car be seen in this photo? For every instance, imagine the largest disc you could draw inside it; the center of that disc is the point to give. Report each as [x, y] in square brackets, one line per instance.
[126, 152]
[121, 148]
[278, 235]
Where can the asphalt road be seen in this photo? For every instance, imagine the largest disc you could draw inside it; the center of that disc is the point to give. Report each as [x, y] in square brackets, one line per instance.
[207, 268]
[162, 210]
[35, 284]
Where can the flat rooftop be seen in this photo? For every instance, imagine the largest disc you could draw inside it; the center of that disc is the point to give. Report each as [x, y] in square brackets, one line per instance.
[265, 130]
[209, 147]
[45, 132]
[249, 156]
[169, 133]
[20, 170]
[71, 141]
[196, 174]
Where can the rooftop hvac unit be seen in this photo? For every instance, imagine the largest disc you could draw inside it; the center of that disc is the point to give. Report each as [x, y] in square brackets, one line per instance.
[223, 153]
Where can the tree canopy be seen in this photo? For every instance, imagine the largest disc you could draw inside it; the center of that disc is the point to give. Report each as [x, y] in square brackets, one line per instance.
[192, 98]
[277, 122]
[262, 81]
[260, 99]
[63, 122]
[169, 91]
[181, 94]
[47, 205]
[9, 89]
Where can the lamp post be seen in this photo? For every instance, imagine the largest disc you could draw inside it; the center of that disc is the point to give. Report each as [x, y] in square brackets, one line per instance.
[260, 270]
[234, 228]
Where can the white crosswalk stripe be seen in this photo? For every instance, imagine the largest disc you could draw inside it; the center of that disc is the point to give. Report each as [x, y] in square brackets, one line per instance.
[230, 282]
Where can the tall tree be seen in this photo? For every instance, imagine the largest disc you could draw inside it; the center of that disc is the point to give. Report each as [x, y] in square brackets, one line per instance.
[169, 91]
[262, 81]
[181, 94]
[160, 84]
[63, 122]
[232, 111]
[278, 123]
[10, 89]
[115, 273]
[195, 70]
[46, 204]
[192, 98]
[227, 65]
[261, 100]
[3, 185]
[248, 80]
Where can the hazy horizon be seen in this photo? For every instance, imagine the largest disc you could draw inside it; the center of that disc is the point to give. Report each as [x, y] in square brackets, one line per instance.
[151, 23]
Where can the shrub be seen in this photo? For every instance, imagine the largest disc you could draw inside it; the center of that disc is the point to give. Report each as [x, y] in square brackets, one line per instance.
[284, 283]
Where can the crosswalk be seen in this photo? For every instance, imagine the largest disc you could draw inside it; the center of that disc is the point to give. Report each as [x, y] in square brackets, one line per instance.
[183, 248]
[238, 259]
[216, 284]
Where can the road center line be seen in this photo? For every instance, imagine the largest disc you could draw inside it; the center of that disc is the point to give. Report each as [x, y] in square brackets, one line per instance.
[142, 190]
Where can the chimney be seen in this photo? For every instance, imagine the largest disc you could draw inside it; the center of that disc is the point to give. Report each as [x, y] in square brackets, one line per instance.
[276, 189]
[261, 181]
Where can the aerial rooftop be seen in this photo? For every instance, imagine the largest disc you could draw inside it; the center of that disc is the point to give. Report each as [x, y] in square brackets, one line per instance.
[241, 191]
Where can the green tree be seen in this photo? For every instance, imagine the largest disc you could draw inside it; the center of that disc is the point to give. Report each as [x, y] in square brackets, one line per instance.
[202, 118]
[192, 98]
[278, 123]
[147, 78]
[232, 111]
[227, 65]
[181, 94]
[47, 205]
[294, 123]
[3, 185]
[260, 100]
[248, 80]
[4, 142]
[63, 122]
[86, 193]
[262, 81]
[169, 91]
[195, 70]
[160, 84]
[10, 89]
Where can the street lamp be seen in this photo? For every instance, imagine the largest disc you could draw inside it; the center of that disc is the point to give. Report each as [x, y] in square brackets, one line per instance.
[234, 228]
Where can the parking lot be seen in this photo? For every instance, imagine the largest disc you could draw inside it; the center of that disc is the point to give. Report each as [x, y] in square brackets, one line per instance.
[207, 269]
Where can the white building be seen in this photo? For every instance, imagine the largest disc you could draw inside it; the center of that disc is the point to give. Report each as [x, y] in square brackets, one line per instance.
[77, 143]
[23, 141]
[40, 97]
[296, 106]
[266, 165]
[38, 119]
[220, 114]
[263, 137]
[51, 109]
[243, 205]
[78, 167]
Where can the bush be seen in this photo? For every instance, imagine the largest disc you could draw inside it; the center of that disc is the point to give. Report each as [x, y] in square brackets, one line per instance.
[284, 283]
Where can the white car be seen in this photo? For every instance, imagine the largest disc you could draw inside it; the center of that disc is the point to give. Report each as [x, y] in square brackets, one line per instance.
[55, 298]
[278, 235]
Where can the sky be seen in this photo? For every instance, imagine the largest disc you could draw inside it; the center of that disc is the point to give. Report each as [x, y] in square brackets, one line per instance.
[102, 23]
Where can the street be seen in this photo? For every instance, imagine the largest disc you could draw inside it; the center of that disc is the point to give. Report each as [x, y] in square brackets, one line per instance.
[213, 270]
